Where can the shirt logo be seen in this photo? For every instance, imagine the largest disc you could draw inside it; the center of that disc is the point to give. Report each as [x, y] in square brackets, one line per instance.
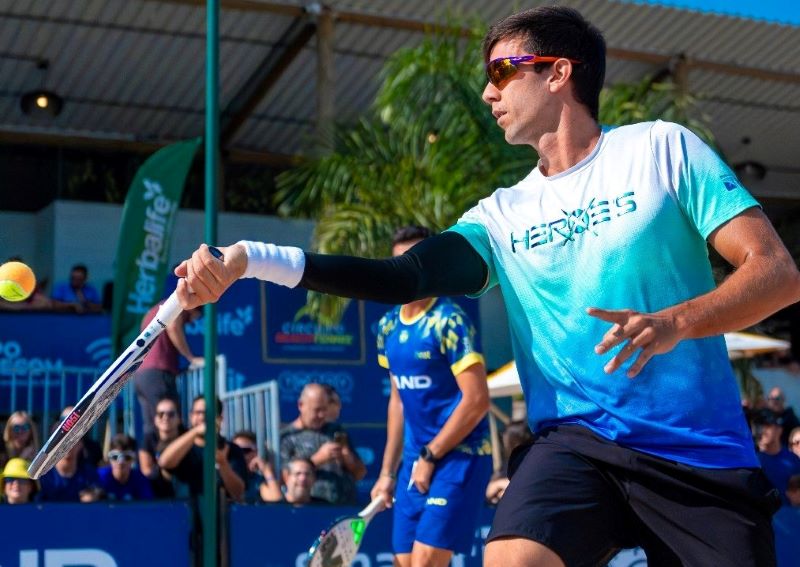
[403, 336]
[412, 382]
[574, 223]
[730, 182]
[436, 501]
[424, 355]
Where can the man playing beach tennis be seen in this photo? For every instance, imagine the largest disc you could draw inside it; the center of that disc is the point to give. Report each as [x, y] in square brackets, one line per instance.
[436, 425]
[601, 255]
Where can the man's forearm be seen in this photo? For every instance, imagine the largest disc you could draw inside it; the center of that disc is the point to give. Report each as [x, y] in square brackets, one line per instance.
[232, 482]
[174, 453]
[761, 286]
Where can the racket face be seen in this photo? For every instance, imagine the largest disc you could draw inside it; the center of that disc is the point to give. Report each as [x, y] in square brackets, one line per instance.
[339, 545]
[85, 413]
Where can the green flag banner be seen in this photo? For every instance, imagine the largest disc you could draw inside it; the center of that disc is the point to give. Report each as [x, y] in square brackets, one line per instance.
[144, 238]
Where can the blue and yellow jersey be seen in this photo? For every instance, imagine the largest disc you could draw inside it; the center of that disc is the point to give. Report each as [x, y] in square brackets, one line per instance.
[423, 356]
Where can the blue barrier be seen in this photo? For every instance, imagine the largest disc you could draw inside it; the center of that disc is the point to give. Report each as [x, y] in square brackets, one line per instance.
[279, 536]
[95, 535]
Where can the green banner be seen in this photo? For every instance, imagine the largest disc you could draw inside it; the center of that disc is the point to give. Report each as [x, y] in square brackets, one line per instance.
[140, 266]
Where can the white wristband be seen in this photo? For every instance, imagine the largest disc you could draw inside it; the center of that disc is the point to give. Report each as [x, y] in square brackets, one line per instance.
[282, 265]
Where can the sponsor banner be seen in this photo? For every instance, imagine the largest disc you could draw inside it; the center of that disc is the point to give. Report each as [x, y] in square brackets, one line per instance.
[299, 528]
[95, 535]
[144, 237]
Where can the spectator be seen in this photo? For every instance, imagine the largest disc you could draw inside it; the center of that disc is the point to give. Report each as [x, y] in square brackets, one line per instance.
[299, 476]
[261, 483]
[20, 437]
[68, 478]
[184, 456]
[793, 491]
[16, 486]
[168, 426]
[91, 453]
[517, 433]
[778, 462]
[776, 401]
[77, 295]
[334, 404]
[326, 445]
[120, 480]
[155, 378]
[794, 441]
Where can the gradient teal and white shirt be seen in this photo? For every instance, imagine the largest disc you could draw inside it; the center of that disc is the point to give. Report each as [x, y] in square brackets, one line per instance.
[624, 228]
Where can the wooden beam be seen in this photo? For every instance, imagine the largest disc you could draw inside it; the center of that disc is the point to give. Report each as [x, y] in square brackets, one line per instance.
[264, 77]
[81, 141]
[326, 73]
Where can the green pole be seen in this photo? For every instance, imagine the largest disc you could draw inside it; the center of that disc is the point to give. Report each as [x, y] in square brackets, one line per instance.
[209, 508]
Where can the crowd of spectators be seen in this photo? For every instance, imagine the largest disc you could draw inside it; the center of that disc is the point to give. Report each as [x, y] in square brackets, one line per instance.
[318, 463]
[75, 295]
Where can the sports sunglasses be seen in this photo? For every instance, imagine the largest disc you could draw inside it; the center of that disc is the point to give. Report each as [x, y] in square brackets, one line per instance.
[499, 70]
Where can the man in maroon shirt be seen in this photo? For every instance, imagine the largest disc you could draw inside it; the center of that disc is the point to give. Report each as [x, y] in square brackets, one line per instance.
[155, 378]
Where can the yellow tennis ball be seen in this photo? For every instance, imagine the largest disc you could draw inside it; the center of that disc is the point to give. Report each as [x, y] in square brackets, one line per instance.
[16, 281]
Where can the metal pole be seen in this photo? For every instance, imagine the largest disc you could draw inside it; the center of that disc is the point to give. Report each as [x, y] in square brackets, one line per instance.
[210, 544]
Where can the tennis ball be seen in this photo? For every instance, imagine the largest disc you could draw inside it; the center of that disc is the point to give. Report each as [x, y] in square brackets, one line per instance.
[16, 281]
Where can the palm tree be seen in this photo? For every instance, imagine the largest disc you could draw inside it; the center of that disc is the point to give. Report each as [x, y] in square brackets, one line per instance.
[429, 150]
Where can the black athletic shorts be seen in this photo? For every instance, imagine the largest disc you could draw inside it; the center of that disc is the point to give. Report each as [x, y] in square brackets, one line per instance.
[585, 498]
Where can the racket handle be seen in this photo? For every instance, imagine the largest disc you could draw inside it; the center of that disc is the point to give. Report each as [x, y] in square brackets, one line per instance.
[171, 307]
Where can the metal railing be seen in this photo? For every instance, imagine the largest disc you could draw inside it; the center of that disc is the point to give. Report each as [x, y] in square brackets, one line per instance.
[254, 408]
[43, 393]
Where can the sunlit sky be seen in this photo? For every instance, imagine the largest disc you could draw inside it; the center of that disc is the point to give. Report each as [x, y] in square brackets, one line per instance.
[776, 11]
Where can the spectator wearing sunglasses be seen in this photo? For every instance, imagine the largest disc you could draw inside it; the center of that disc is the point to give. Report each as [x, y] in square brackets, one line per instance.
[20, 436]
[601, 256]
[261, 482]
[776, 401]
[168, 426]
[120, 480]
[16, 486]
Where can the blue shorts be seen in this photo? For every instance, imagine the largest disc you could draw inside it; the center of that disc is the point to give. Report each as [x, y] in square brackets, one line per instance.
[447, 516]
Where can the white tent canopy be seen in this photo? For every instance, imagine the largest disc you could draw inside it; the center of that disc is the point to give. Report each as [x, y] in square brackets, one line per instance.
[505, 380]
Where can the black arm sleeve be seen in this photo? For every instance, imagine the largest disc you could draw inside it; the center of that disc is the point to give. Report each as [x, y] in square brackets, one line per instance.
[445, 264]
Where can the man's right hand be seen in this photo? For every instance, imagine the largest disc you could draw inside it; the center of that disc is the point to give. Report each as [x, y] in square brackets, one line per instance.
[205, 278]
[385, 486]
[329, 451]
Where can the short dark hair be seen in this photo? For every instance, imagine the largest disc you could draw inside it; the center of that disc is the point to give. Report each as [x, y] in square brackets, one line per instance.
[794, 482]
[562, 32]
[249, 435]
[80, 268]
[203, 397]
[411, 232]
[122, 442]
[287, 466]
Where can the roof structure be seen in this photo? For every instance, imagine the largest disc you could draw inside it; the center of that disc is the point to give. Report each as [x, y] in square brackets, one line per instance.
[131, 72]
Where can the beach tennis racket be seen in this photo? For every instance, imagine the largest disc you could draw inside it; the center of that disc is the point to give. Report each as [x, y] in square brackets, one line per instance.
[94, 402]
[338, 545]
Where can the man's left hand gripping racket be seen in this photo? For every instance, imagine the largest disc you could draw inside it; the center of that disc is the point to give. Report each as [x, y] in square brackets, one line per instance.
[92, 405]
[337, 547]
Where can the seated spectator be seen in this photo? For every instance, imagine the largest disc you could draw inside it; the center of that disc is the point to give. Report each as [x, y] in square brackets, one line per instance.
[310, 436]
[20, 436]
[68, 478]
[794, 441]
[91, 453]
[793, 491]
[334, 403]
[77, 295]
[778, 462]
[184, 456]
[299, 476]
[120, 480]
[167, 427]
[16, 486]
[517, 433]
[261, 483]
[776, 401]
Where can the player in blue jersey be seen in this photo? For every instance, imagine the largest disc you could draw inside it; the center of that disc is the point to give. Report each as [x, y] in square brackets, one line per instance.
[436, 425]
[616, 321]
